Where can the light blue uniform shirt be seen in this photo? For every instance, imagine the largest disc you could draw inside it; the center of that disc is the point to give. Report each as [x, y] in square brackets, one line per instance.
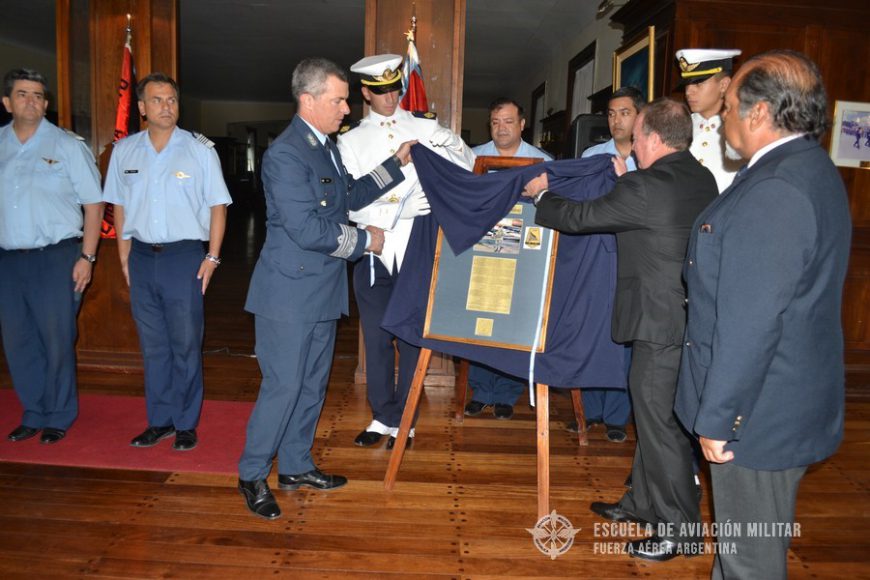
[524, 150]
[43, 184]
[609, 148]
[167, 196]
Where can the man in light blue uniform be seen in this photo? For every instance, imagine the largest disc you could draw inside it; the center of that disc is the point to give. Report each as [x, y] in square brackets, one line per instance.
[169, 197]
[613, 406]
[47, 175]
[491, 387]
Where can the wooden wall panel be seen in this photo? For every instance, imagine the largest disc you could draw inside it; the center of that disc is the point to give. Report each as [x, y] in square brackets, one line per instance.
[440, 44]
[107, 333]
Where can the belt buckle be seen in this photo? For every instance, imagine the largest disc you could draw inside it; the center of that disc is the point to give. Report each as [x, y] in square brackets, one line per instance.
[156, 247]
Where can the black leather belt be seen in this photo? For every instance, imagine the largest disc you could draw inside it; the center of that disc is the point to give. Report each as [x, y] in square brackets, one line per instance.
[60, 244]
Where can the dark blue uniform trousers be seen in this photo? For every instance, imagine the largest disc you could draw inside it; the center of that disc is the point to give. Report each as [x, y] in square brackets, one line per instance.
[613, 406]
[386, 397]
[38, 307]
[166, 299]
[295, 359]
[491, 386]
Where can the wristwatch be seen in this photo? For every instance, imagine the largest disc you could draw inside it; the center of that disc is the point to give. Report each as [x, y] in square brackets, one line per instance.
[213, 259]
[90, 258]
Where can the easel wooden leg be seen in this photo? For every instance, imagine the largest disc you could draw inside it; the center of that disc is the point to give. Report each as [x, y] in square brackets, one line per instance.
[543, 416]
[580, 415]
[407, 418]
[461, 389]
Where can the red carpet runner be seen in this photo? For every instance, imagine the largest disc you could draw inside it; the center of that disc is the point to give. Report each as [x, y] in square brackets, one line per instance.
[106, 424]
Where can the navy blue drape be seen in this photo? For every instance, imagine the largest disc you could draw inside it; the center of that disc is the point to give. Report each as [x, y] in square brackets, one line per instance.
[580, 352]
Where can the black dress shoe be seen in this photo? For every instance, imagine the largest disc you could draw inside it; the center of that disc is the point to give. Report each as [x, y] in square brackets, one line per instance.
[391, 442]
[612, 511]
[152, 436]
[314, 478]
[22, 432]
[259, 498]
[367, 438]
[185, 440]
[502, 411]
[573, 427]
[616, 433]
[654, 548]
[51, 435]
[474, 408]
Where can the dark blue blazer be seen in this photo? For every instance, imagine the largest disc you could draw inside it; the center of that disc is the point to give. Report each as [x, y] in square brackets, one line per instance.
[762, 362]
[301, 274]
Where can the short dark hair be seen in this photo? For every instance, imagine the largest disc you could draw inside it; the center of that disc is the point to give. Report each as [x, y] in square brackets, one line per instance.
[671, 120]
[503, 101]
[632, 93]
[310, 76]
[155, 77]
[791, 84]
[22, 74]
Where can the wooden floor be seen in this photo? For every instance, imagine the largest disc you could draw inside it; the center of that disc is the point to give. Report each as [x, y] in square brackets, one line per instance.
[464, 498]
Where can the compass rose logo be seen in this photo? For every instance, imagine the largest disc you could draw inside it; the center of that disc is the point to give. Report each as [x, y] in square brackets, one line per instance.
[553, 535]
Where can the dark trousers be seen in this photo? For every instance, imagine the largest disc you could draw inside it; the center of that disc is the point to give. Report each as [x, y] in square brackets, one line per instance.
[751, 497]
[38, 307]
[386, 396]
[167, 304]
[663, 483]
[612, 406]
[295, 359]
[491, 386]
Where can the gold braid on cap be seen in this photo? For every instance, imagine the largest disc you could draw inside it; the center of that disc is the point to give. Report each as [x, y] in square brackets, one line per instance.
[387, 78]
[697, 73]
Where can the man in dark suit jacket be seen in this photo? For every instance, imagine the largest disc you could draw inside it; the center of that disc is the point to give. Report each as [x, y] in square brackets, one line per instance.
[762, 378]
[651, 212]
[299, 287]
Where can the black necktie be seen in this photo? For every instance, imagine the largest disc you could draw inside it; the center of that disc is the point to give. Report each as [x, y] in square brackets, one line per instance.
[333, 153]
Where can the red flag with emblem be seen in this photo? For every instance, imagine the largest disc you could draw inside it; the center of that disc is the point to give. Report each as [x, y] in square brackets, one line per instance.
[126, 118]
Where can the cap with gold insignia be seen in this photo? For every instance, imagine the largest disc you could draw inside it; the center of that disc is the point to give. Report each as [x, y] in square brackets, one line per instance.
[699, 64]
[381, 73]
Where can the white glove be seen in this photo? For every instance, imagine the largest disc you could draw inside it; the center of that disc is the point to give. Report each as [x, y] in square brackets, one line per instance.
[414, 205]
[444, 137]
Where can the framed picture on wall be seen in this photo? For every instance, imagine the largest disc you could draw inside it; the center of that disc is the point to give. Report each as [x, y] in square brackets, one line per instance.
[634, 64]
[850, 137]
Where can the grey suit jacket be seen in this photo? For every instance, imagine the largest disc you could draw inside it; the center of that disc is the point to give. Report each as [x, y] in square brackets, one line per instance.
[301, 272]
[651, 211]
[762, 364]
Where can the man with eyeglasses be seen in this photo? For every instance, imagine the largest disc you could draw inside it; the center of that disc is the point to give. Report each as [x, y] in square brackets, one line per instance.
[170, 197]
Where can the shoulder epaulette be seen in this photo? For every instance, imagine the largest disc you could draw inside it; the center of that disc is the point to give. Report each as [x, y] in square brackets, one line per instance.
[74, 135]
[203, 139]
[347, 127]
[425, 115]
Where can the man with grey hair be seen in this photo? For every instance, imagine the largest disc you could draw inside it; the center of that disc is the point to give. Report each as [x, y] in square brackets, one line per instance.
[299, 286]
[762, 377]
[650, 211]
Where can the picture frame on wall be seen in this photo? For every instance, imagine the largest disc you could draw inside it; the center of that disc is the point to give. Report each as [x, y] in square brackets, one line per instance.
[850, 135]
[634, 64]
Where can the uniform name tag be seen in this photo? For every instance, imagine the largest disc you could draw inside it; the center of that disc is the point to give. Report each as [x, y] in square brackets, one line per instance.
[325, 180]
[126, 171]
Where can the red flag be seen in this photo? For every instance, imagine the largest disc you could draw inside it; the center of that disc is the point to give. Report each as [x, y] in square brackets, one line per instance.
[126, 120]
[414, 93]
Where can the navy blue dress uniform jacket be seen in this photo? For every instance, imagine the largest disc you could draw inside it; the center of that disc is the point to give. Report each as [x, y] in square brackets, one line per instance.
[762, 362]
[301, 273]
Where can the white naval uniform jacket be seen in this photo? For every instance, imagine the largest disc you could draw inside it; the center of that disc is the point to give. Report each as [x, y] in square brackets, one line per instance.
[365, 146]
[708, 147]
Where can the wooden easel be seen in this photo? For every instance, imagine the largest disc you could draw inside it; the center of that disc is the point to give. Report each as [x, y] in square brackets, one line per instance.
[542, 406]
